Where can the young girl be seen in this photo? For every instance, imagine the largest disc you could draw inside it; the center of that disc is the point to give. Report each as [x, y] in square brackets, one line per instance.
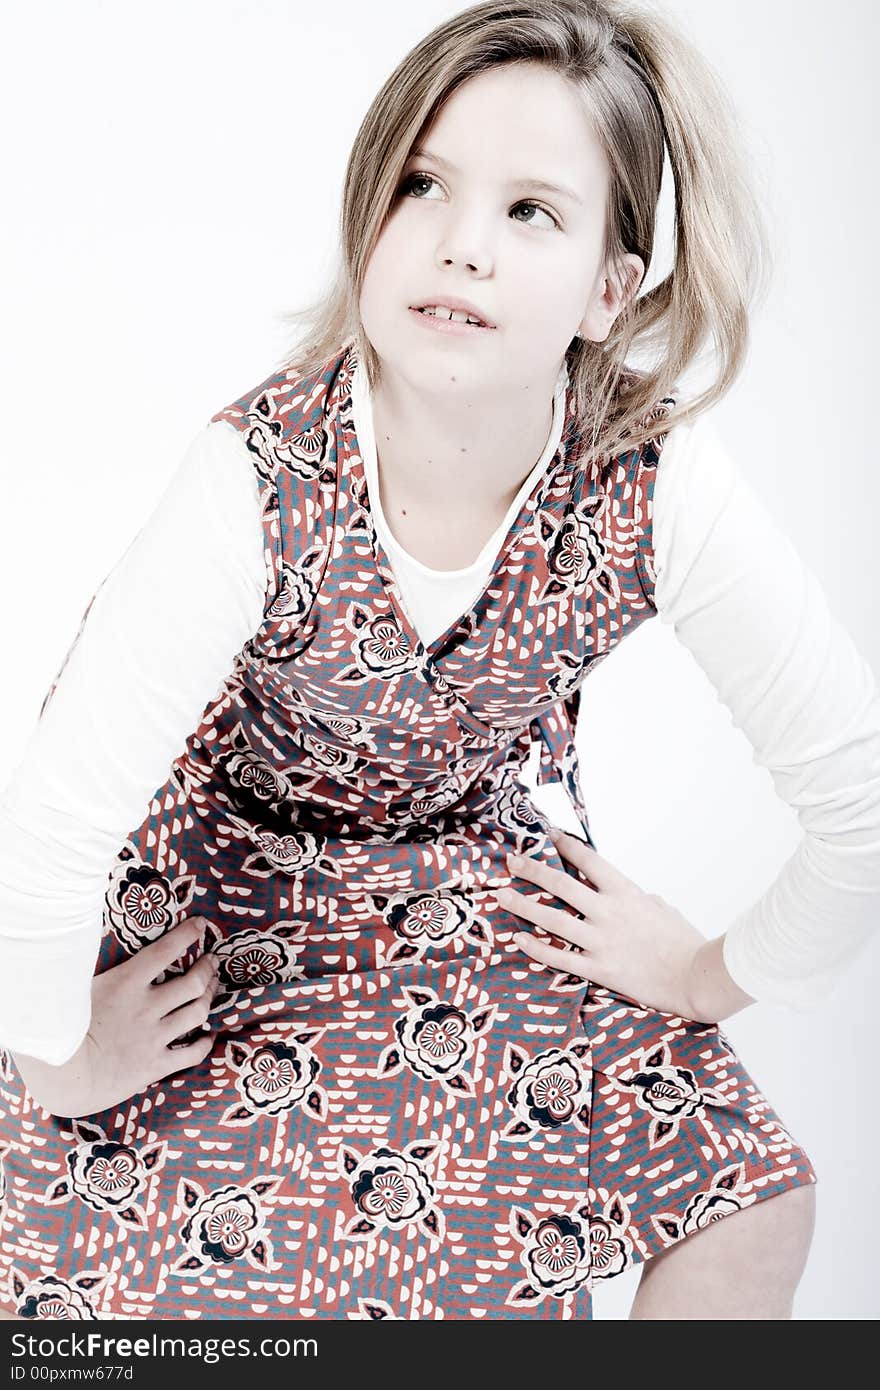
[338, 1025]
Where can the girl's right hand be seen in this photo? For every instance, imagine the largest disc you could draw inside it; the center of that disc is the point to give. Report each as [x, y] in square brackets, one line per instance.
[133, 1023]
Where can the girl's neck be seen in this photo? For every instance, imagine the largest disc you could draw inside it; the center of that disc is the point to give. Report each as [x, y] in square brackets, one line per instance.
[453, 454]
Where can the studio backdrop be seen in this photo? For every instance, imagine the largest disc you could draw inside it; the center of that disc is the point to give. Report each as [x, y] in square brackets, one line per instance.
[172, 177]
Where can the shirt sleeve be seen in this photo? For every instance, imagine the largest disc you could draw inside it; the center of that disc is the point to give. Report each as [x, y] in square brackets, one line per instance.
[755, 618]
[156, 642]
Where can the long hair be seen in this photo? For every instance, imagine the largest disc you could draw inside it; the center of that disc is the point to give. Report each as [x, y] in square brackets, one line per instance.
[649, 93]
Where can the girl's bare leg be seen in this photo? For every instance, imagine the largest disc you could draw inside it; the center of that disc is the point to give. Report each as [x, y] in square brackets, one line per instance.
[744, 1265]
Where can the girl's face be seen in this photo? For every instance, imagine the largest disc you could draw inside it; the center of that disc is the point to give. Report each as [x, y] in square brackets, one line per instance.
[474, 217]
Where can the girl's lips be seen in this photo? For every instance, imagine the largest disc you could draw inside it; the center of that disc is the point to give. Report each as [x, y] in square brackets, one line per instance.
[440, 325]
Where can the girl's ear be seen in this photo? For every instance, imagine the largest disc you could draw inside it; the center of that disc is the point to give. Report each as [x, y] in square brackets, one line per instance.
[614, 288]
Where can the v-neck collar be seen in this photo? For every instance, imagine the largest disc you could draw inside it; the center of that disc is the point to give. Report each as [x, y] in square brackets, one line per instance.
[553, 456]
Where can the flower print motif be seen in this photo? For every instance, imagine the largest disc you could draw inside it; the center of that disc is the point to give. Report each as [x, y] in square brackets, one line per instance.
[516, 816]
[275, 444]
[275, 1077]
[723, 1196]
[254, 774]
[577, 551]
[248, 773]
[708, 1207]
[4, 1150]
[360, 523]
[574, 551]
[434, 919]
[226, 1225]
[191, 773]
[570, 674]
[418, 806]
[435, 1040]
[555, 1253]
[55, 1299]
[441, 1034]
[292, 853]
[335, 761]
[391, 1188]
[549, 1090]
[611, 1249]
[304, 452]
[342, 384]
[106, 1175]
[143, 904]
[374, 1310]
[347, 728]
[429, 917]
[5, 1065]
[258, 440]
[569, 768]
[380, 648]
[389, 1194]
[649, 451]
[669, 1093]
[256, 956]
[408, 833]
[298, 587]
[424, 805]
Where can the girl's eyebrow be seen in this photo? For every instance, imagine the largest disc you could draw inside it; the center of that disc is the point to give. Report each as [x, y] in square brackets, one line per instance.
[540, 184]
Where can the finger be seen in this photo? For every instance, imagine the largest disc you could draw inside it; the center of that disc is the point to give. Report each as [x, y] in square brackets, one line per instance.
[551, 919]
[159, 955]
[181, 989]
[191, 1015]
[179, 1058]
[572, 962]
[581, 896]
[589, 862]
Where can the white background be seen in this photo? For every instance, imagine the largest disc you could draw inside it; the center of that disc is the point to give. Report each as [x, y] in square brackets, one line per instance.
[172, 182]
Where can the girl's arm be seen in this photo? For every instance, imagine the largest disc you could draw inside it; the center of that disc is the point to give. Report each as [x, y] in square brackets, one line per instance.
[755, 618]
[159, 638]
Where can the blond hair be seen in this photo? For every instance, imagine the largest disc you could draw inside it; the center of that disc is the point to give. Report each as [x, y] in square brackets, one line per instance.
[647, 91]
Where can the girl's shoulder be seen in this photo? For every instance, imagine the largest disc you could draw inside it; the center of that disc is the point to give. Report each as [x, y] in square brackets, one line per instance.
[291, 401]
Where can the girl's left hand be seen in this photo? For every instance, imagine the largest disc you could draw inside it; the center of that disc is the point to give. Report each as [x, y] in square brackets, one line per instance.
[630, 941]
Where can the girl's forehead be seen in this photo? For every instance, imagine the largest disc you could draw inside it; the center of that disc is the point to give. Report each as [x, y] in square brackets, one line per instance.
[510, 87]
[524, 114]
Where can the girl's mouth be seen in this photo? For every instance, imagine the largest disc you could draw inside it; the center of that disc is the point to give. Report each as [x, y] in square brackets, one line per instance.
[440, 322]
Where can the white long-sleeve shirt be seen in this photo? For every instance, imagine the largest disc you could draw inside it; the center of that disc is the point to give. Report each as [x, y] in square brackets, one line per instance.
[167, 622]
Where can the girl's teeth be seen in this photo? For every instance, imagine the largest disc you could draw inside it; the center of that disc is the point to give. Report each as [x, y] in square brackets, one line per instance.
[456, 314]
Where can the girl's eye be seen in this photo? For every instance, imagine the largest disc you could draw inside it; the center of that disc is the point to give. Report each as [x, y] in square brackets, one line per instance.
[536, 207]
[409, 184]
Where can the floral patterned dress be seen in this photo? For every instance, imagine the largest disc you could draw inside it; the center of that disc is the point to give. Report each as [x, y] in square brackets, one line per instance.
[403, 1115]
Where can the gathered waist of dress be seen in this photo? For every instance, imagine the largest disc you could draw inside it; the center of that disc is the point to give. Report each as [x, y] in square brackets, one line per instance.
[287, 804]
[327, 855]
[345, 910]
